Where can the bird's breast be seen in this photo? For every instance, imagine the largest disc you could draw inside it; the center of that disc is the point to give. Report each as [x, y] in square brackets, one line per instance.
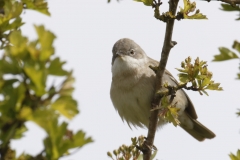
[131, 96]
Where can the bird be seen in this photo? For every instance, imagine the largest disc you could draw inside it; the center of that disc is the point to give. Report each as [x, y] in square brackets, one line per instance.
[133, 85]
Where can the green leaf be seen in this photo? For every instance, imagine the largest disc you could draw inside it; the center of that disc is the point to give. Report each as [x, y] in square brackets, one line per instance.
[56, 136]
[20, 91]
[66, 106]
[66, 87]
[8, 134]
[235, 157]
[183, 78]
[12, 9]
[146, 2]
[61, 139]
[37, 5]
[6, 26]
[225, 54]
[164, 102]
[169, 112]
[205, 92]
[46, 40]
[9, 67]
[19, 44]
[25, 113]
[12, 99]
[238, 76]
[197, 15]
[38, 78]
[55, 68]
[238, 113]
[79, 139]
[190, 7]
[61, 146]
[205, 82]
[214, 86]
[20, 131]
[24, 156]
[236, 45]
[181, 70]
[66, 92]
[33, 51]
[172, 115]
[44, 117]
[228, 7]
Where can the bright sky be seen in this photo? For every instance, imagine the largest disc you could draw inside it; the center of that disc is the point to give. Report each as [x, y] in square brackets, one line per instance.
[86, 31]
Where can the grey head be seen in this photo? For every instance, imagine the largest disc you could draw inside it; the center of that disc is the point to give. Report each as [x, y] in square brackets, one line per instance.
[127, 47]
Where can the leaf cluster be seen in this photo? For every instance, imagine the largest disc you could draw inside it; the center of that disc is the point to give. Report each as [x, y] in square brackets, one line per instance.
[169, 111]
[227, 54]
[131, 152]
[200, 79]
[25, 92]
[182, 14]
[198, 75]
[26, 97]
[10, 12]
[191, 7]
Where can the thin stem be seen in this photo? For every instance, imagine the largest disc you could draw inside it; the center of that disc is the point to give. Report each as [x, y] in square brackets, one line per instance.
[168, 44]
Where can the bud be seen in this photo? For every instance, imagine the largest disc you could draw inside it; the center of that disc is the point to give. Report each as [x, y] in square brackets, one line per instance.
[109, 154]
[183, 64]
[115, 152]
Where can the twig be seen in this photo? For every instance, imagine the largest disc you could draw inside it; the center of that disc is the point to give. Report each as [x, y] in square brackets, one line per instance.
[231, 2]
[168, 44]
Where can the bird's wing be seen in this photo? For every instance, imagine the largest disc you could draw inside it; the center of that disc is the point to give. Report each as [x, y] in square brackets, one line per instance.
[190, 108]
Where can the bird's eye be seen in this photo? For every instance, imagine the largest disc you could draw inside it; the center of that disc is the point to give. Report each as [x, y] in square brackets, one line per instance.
[132, 52]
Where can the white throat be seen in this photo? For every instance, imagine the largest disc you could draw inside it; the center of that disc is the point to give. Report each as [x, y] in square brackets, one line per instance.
[126, 65]
[126, 71]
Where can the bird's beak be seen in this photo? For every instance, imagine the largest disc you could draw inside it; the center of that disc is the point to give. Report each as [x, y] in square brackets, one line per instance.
[118, 54]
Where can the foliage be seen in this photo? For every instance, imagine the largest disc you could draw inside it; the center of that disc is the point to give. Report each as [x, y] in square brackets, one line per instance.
[227, 54]
[169, 111]
[235, 157]
[198, 75]
[25, 93]
[238, 113]
[146, 2]
[130, 152]
[231, 8]
[190, 7]
[182, 14]
[200, 80]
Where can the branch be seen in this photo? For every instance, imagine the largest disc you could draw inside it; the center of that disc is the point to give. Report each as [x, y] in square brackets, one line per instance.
[231, 2]
[168, 44]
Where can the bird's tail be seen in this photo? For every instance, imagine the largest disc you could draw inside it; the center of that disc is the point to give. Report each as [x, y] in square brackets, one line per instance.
[199, 131]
